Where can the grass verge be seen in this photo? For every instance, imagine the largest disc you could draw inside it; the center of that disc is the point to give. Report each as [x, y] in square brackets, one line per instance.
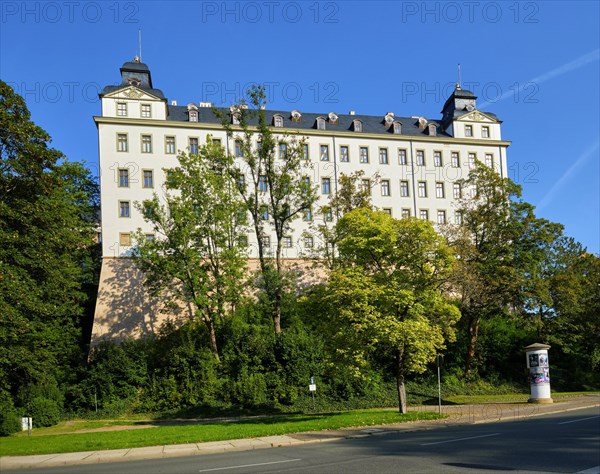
[279, 425]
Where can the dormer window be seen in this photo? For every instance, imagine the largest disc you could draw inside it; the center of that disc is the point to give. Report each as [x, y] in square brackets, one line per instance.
[422, 123]
[485, 132]
[397, 127]
[333, 118]
[357, 126]
[389, 118]
[278, 120]
[296, 116]
[235, 118]
[432, 128]
[468, 130]
[320, 123]
[146, 110]
[192, 112]
[134, 82]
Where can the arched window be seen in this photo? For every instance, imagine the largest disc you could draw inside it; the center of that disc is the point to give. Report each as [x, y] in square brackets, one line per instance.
[278, 120]
[320, 123]
[358, 125]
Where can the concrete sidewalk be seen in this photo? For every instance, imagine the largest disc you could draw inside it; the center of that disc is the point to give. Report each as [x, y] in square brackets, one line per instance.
[457, 414]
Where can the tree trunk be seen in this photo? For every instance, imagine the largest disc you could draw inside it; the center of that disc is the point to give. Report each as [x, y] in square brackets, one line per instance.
[402, 407]
[473, 335]
[213, 337]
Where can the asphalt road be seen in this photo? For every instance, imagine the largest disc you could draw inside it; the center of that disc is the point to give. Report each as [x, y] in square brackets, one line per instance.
[563, 442]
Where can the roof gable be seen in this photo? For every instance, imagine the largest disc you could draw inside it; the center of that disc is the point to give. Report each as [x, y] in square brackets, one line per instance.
[476, 116]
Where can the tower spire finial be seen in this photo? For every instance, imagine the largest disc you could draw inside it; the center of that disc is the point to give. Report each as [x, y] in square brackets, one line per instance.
[458, 83]
[140, 43]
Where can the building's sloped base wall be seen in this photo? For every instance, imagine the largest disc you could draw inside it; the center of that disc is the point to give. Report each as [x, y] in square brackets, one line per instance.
[124, 308]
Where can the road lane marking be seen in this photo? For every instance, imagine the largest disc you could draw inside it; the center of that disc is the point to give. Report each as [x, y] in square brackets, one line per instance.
[580, 419]
[591, 470]
[248, 465]
[460, 439]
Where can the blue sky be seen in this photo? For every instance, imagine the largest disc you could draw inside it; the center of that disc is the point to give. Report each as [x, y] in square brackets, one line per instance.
[534, 64]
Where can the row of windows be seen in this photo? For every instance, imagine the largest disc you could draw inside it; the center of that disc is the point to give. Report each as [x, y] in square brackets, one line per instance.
[287, 241]
[420, 157]
[485, 131]
[125, 178]
[145, 110]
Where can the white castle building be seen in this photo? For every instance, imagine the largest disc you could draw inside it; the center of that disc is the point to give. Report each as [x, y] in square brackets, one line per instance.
[417, 160]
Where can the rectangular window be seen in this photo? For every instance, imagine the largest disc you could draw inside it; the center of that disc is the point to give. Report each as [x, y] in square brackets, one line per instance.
[326, 185]
[148, 179]
[383, 156]
[485, 132]
[437, 159]
[122, 143]
[146, 143]
[170, 147]
[266, 241]
[241, 182]
[387, 210]
[472, 159]
[456, 191]
[458, 218]
[309, 242]
[423, 214]
[243, 241]
[489, 160]
[263, 186]
[307, 215]
[122, 109]
[324, 152]
[149, 237]
[385, 187]
[420, 158]
[344, 155]
[146, 111]
[402, 156]
[404, 189]
[405, 213]
[365, 185]
[125, 239]
[264, 213]
[305, 153]
[364, 154]
[455, 159]
[239, 151]
[287, 242]
[283, 150]
[328, 214]
[124, 209]
[439, 190]
[306, 183]
[422, 186]
[468, 130]
[193, 144]
[441, 217]
[123, 178]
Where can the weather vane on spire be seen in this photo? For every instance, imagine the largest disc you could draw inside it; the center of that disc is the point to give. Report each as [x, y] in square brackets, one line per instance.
[458, 83]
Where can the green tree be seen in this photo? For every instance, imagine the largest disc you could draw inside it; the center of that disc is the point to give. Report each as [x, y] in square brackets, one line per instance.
[487, 276]
[268, 184]
[197, 256]
[48, 209]
[387, 293]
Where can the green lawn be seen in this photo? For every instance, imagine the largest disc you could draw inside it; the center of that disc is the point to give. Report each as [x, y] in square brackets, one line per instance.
[279, 425]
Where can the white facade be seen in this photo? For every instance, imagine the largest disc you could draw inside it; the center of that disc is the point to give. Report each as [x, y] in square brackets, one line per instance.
[139, 136]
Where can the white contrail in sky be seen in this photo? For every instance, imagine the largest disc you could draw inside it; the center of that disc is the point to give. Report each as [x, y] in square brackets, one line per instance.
[591, 151]
[587, 58]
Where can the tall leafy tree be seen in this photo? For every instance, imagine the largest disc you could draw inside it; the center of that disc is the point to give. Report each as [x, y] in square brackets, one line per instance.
[270, 172]
[388, 292]
[48, 209]
[196, 255]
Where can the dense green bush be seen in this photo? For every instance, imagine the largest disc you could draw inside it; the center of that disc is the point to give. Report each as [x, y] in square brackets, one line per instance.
[44, 411]
[10, 420]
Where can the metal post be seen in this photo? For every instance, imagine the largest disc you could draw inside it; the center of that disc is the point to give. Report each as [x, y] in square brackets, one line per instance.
[439, 385]
[96, 399]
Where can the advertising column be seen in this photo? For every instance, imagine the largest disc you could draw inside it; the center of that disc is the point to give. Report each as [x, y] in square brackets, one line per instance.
[539, 373]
